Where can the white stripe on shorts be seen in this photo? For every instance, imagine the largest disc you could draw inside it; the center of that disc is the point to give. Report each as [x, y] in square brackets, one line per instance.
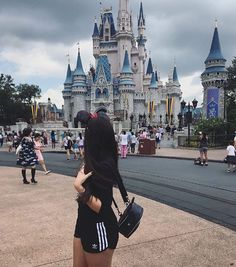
[102, 236]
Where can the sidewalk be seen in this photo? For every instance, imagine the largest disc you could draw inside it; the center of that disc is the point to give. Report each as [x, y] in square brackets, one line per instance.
[37, 224]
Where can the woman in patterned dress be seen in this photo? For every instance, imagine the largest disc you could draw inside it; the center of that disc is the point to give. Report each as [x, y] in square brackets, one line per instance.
[27, 156]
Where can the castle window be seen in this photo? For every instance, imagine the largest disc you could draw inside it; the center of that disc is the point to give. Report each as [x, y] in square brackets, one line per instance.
[123, 28]
[98, 93]
[135, 64]
[106, 38]
[106, 30]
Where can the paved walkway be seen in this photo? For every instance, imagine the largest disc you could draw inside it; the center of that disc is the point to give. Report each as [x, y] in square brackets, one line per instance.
[37, 223]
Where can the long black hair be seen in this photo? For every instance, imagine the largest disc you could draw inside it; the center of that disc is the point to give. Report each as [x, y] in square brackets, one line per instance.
[100, 151]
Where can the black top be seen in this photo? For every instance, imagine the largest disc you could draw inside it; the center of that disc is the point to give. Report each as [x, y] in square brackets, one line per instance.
[102, 189]
[203, 142]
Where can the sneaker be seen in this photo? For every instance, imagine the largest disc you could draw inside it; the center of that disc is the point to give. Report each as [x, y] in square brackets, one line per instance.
[206, 164]
[228, 170]
[202, 164]
[47, 172]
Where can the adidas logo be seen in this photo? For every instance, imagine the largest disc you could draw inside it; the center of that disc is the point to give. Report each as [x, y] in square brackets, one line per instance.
[94, 246]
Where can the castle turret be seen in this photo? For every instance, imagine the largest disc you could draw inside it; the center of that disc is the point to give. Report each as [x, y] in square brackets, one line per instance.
[153, 83]
[67, 94]
[213, 79]
[126, 87]
[79, 88]
[149, 67]
[124, 33]
[96, 41]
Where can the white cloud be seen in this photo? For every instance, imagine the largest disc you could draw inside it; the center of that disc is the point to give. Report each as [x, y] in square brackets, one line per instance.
[55, 94]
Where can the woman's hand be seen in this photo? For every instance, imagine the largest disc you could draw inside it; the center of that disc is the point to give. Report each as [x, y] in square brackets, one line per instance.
[80, 179]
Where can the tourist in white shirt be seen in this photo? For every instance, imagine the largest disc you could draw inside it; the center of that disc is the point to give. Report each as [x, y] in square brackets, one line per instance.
[158, 139]
[231, 156]
[133, 141]
[123, 144]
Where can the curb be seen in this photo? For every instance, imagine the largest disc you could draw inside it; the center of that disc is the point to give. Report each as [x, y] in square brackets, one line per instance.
[151, 156]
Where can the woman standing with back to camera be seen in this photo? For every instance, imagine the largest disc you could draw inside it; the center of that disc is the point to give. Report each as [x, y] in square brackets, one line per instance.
[96, 232]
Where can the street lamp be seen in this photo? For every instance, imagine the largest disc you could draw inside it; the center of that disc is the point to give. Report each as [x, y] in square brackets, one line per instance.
[189, 121]
[194, 102]
[180, 121]
[160, 119]
[131, 120]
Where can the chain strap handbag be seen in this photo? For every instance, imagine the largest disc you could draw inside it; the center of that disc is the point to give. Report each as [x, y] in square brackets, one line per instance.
[130, 219]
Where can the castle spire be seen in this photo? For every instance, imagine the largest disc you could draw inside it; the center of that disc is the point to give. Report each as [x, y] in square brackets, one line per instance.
[141, 19]
[215, 51]
[126, 66]
[149, 67]
[79, 68]
[68, 75]
[95, 30]
[175, 75]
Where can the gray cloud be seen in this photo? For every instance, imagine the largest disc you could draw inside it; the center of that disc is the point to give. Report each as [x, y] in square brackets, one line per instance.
[182, 29]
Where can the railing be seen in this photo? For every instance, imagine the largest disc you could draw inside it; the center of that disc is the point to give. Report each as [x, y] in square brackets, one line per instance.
[214, 140]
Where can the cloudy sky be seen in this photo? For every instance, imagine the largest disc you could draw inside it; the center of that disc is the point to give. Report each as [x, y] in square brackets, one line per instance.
[36, 35]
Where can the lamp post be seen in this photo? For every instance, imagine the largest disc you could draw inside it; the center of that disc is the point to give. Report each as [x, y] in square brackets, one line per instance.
[180, 121]
[131, 120]
[160, 119]
[189, 121]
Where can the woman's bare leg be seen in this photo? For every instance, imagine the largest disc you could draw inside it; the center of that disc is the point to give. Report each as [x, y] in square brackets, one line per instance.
[103, 259]
[78, 254]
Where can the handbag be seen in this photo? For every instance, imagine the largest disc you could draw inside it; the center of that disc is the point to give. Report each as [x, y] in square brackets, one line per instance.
[130, 219]
[19, 148]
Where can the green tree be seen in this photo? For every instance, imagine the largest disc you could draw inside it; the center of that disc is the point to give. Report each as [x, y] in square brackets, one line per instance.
[28, 93]
[230, 95]
[7, 93]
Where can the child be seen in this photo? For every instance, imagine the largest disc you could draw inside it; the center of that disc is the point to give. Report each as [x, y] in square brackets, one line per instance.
[38, 150]
[231, 156]
[75, 149]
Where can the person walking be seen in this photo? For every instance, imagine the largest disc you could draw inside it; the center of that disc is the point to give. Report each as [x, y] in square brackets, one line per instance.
[133, 141]
[158, 139]
[96, 231]
[203, 147]
[80, 142]
[9, 141]
[27, 156]
[68, 145]
[53, 139]
[75, 147]
[38, 146]
[231, 159]
[123, 144]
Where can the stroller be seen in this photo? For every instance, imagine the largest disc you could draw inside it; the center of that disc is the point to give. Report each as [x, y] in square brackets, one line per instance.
[197, 161]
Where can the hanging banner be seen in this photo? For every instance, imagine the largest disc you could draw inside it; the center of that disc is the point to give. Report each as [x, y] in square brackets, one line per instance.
[212, 102]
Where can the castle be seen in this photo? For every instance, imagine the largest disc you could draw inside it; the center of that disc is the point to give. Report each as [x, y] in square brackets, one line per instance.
[124, 79]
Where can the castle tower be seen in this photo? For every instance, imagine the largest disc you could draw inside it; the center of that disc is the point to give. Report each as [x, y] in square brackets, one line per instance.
[152, 98]
[124, 33]
[79, 88]
[66, 93]
[141, 40]
[213, 79]
[96, 41]
[126, 87]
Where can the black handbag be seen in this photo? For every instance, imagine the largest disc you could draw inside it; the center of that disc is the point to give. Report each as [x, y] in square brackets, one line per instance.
[130, 219]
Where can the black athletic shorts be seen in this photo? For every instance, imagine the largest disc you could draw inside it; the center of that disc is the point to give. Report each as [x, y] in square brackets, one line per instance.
[97, 237]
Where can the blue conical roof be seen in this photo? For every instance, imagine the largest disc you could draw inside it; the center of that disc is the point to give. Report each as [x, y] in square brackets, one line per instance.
[153, 83]
[141, 16]
[175, 75]
[149, 67]
[215, 52]
[126, 66]
[95, 30]
[68, 75]
[79, 68]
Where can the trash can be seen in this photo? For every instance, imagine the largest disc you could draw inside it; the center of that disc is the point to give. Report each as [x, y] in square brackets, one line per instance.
[147, 146]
